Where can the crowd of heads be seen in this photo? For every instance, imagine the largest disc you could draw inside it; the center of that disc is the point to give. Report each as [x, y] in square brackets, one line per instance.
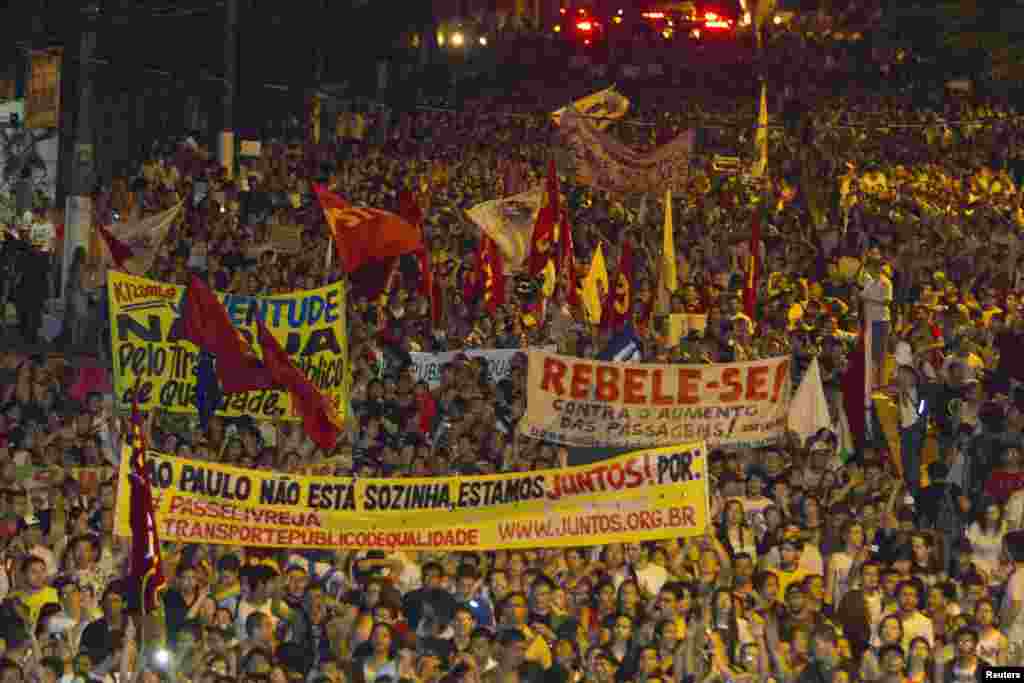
[896, 560]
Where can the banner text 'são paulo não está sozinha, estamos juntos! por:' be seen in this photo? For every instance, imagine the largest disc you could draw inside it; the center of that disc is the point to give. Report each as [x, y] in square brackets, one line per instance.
[640, 496]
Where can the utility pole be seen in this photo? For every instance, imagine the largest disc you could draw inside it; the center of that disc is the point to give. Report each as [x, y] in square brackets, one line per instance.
[226, 143]
[78, 211]
[313, 100]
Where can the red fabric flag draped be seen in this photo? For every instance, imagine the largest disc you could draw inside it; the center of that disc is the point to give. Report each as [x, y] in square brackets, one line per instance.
[618, 306]
[205, 323]
[491, 274]
[854, 397]
[753, 268]
[319, 415]
[145, 574]
[544, 229]
[409, 209]
[119, 251]
[567, 263]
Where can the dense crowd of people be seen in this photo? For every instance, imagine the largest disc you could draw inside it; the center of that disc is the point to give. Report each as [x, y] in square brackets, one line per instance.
[901, 561]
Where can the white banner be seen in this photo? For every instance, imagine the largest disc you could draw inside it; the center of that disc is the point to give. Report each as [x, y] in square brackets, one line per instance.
[631, 71]
[427, 366]
[592, 403]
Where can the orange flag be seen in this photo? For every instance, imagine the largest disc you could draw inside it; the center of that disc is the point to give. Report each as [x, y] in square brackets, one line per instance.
[363, 236]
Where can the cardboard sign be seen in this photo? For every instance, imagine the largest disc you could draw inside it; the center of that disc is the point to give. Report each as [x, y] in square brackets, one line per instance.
[250, 148]
[286, 239]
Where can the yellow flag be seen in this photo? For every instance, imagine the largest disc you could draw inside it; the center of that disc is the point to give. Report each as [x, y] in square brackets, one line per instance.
[550, 279]
[761, 136]
[669, 246]
[594, 285]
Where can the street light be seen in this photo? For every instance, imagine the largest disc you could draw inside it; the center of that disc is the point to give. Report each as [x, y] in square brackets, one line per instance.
[458, 39]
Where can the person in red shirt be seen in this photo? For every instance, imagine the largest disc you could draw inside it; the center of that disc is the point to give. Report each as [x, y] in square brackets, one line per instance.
[1008, 478]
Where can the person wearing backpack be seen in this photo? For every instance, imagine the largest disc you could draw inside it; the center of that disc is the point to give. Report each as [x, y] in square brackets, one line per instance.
[942, 506]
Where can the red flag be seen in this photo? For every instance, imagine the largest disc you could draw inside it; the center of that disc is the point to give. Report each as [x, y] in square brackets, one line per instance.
[567, 263]
[205, 323]
[408, 209]
[854, 397]
[753, 268]
[491, 274]
[426, 283]
[618, 307]
[146, 576]
[544, 228]
[426, 408]
[319, 415]
[428, 286]
[119, 251]
[362, 235]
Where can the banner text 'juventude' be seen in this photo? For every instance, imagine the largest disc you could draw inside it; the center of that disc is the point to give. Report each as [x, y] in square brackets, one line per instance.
[309, 325]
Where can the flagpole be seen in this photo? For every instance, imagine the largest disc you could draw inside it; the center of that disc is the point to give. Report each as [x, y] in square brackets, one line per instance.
[328, 259]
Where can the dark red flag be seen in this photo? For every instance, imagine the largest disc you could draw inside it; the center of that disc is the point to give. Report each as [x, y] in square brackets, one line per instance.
[205, 323]
[544, 229]
[854, 393]
[319, 415]
[119, 251]
[618, 307]
[146, 576]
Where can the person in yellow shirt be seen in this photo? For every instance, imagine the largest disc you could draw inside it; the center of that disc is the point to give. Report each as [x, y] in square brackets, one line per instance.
[514, 613]
[37, 593]
[789, 571]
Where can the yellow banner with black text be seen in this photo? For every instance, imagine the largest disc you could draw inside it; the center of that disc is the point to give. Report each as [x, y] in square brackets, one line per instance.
[309, 325]
[640, 496]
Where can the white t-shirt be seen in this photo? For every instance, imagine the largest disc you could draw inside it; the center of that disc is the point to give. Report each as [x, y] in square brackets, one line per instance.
[1015, 593]
[876, 289]
[986, 549]
[651, 578]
